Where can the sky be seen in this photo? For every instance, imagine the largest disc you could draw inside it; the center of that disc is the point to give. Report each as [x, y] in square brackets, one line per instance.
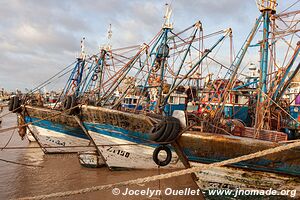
[39, 38]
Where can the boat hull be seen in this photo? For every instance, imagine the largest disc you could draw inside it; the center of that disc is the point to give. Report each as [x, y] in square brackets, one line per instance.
[56, 142]
[121, 151]
[59, 134]
[209, 148]
[197, 146]
[237, 181]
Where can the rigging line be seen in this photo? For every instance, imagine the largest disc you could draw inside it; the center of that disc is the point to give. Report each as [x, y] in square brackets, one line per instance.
[281, 31]
[210, 57]
[18, 163]
[289, 7]
[37, 87]
[125, 48]
[6, 114]
[287, 43]
[184, 41]
[287, 14]
[286, 25]
[48, 117]
[8, 140]
[286, 33]
[217, 51]
[272, 59]
[287, 52]
[292, 24]
[266, 95]
[55, 79]
[179, 33]
[124, 57]
[79, 146]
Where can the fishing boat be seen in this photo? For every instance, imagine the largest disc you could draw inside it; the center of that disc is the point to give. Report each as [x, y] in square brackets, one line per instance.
[58, 131]
[127, 133]
[131, 134]
[120, 129]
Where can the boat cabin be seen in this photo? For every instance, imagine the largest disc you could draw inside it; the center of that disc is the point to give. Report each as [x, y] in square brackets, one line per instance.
[176, 101]
[130, 102]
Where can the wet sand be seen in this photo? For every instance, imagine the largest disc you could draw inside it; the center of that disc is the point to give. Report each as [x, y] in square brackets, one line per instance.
[63, 172]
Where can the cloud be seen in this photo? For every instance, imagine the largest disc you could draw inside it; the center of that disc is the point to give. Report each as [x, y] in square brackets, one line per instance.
[38, 38]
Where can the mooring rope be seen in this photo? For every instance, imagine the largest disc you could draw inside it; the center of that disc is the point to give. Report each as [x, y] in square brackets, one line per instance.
[167, 175]
[1, 149]
[18, 163]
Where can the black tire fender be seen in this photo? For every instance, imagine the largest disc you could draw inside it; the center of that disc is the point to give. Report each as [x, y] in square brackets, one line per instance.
[167, 131]
[156, 153]
[157, 130]
[171, 131]
[11, 104]
[16, 104]
[67, 102]
[175, 131]
[73, 104]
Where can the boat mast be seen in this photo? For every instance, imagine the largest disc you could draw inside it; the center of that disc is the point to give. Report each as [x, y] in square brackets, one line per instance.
[103, 52]
[268, 9]
[81, 63]
[162, 54]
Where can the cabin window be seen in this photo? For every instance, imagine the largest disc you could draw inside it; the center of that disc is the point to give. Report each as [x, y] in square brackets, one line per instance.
[171, 100]
[228, 99]
[182, 100]
[236, 99]
[134, 101]
[130, 101]
[243, 100]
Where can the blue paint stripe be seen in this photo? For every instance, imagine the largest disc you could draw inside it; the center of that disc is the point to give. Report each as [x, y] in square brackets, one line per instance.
[140, 138]
[59, 128]
[120, 133]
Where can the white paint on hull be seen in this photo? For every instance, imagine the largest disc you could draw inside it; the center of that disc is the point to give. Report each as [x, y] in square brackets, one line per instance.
[50, 138]
[130, 155]
[30, 136]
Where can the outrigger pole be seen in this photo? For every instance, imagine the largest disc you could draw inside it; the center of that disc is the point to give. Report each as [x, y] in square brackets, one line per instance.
[287, 70]
[227, 31]
[199, 27]
[236, 65]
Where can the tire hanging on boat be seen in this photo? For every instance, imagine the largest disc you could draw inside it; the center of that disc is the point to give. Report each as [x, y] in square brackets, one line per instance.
[10, 104]
[157, 130]
[14, 104]
[73, 104]
[171, 131]
[67, 102]
[175, 129]
[156, 152]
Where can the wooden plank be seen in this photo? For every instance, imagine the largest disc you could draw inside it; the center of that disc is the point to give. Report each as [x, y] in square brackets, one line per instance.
[185, 162]
[91, 139]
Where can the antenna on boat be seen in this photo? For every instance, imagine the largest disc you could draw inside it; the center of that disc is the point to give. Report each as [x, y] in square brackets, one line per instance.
[82, 47]
[167, 17]
[109, 35]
